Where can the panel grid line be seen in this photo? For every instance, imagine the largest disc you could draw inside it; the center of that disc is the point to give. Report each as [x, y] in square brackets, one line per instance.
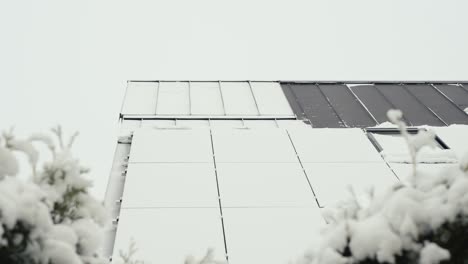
[157, 98]
[190, 97]
[222, 98]
[253, 96]
[219, 196]
[303, 170]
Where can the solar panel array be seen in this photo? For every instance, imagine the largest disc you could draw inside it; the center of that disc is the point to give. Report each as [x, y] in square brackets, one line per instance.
[205, 99]
[244, 167]
[365, 105]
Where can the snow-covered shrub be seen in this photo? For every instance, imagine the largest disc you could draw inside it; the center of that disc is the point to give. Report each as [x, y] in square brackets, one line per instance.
[423, 222]
[49, 218]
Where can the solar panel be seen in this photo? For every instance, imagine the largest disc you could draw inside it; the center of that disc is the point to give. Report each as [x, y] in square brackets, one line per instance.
[263, 185]
[455, 136]
[244, 145]
[170, 185]
[238, 99]
[270, 235]
[140, 98]
[206, 99]
[270, 99]
[331, 181]
[260, 123]
[169, 235]
[314, 105]
[456, 93]
[158, 123]
[405, 171]
[171, 145]
[333, 145]
[173, 98]
[439, 104]
[414, 111]
[347, 106]
[374, 101]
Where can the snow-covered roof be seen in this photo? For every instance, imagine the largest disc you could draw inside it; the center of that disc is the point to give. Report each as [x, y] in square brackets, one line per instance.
[244, 167]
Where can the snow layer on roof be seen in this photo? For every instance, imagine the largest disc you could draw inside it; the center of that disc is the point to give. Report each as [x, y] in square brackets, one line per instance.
[171, 145]
[173, 99]
[168, 235]
[158, 123]
[332, 181]
[405, 171]
[170, 185]
[264, 185]
[253, 145]
[456, 137]
[238, 99]
[206, 99]
[270, 235]
[270, 98]
[140, 98]
[396, 150]
[334, 145]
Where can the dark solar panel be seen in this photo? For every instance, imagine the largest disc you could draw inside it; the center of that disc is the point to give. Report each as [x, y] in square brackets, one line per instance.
[457, 94]
[374, 100]
[293, 101]
[413, 109]
[439, 104]
[347, 106]
[314, 105]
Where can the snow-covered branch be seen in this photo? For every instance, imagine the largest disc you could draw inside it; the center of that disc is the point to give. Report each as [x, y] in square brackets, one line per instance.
[49, 218]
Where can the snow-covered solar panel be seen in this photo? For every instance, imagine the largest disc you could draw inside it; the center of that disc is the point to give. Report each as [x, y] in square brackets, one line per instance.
[334, 145]
[205, 99]
[270, 99]
[170, 185]
[226, 124]
[147, 123]
[263, 184]
[252, 145]
[270, 235]
[331, 181]
[193, 123]
[395, 149]
[238, 99]
[171, 145]
[173, 99]
[405, 171]
[128, 126]
[169, 235]
[292, 124]
[455, 136]
[140, 98]
[260, 123]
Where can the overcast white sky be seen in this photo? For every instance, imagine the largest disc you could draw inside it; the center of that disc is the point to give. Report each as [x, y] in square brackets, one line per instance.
[67, 62]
